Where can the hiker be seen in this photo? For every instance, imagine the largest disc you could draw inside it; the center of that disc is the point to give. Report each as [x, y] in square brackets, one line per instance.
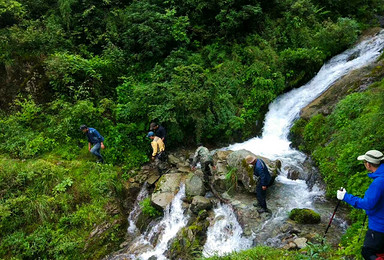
[159, 131]
[95, 139]
[372, 203]
[203, 155]
[260, 170]
[158, 151]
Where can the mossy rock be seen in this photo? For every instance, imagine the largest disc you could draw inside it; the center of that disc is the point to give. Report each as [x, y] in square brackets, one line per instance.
[305, 216]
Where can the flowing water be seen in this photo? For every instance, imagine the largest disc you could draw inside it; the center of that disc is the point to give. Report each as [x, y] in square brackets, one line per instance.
[155, 240]
[287, 194]
[226, 235]
[132, 218]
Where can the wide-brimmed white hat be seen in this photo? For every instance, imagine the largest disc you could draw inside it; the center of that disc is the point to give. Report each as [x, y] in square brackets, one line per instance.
[372, 156]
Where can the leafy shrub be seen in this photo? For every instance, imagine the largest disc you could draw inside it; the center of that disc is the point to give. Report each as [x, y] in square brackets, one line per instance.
[148, 209]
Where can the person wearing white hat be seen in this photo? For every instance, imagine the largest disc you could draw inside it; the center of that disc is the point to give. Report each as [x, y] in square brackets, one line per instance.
[372, 203]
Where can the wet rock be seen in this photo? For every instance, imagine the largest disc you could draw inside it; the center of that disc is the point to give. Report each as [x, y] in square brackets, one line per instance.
[190, 240]
[152, 179]
[184, 169]
[305, 216]
[200, 203]
[166, 188]
[293, 174]
[300, 242]
[194, 186]
[173, 160]
[243, 171]
[222, 155]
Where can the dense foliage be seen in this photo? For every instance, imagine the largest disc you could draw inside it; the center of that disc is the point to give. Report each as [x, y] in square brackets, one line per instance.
[204, 69]
[335, 141]
[49, 209]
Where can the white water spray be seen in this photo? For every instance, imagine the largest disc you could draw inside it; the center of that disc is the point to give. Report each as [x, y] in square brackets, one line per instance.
[132, 218]
[225, 234]
[287, 194]
[174, 219]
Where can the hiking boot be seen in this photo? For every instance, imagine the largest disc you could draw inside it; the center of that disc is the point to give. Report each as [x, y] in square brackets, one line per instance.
[100, 161]
[262, 210]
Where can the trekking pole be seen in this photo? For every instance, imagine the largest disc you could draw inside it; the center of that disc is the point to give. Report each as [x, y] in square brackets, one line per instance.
[362, 227]
[330, 221]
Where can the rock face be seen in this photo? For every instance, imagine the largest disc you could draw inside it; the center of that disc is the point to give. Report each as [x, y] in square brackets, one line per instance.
[244, 173]
[166, 188]
[200, 203]
[305, 216]
[194, 186]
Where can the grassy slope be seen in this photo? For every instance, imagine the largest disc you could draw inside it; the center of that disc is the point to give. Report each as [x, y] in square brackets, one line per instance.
[53, 208]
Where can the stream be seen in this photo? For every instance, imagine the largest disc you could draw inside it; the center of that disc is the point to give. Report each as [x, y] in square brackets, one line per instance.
[225, 234]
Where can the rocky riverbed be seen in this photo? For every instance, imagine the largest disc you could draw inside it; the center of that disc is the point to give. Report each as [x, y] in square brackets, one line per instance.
[234, 186]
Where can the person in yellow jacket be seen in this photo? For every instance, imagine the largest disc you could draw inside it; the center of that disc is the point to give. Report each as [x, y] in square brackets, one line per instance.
[158, 152]
[158, 146]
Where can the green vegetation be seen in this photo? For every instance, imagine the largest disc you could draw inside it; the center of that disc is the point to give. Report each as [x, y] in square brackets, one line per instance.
[50, 209]
[335, 141]
[311, 252]
[206, 70]
[305, 216]
[148, 209]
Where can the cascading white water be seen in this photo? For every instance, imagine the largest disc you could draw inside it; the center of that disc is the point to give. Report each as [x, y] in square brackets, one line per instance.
[287, 194]
[174, 219]
[225, 234]
[132, 218]
[285, 109]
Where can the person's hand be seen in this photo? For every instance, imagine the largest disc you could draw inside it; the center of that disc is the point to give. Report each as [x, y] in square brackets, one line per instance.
[153, 158]
[193, 168]
[341, 193]
[264, 187]
[102, 146]
[214, 167]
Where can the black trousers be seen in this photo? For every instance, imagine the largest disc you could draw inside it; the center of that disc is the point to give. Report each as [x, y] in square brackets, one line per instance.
[373, 244]
[262, 194]
[207, 173]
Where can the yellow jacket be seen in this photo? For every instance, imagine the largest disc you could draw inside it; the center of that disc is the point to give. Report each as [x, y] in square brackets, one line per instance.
[157, 146]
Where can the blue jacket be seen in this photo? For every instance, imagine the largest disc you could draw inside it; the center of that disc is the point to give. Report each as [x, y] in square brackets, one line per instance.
[373, 201]
[262, 171]
[93, 136]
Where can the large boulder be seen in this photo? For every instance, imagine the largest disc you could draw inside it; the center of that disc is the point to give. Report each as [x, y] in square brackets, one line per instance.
[244, 173]
[166, 188]
[194, 186]
[200, 203]
[305, 216]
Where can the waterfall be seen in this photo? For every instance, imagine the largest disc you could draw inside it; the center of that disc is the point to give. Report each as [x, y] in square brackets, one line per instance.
[287, 194]
[132, 218]
[174, 219]
[274, 143]
[225, 235]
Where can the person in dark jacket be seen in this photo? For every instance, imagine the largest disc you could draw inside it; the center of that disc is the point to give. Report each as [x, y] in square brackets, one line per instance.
[372, 203]
[95, 139]
[159, 131]
[265, 180]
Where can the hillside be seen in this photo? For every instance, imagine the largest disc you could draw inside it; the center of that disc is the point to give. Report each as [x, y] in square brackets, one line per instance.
[206, 70]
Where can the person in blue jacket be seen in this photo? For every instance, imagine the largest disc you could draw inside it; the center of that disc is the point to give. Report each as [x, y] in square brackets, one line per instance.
[265, 180]
[95, 139]
[372, 203]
